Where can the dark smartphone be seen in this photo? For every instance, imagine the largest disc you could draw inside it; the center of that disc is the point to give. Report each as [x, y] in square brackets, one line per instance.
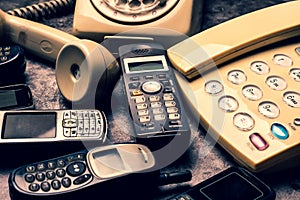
[16, 97]
[235, 183]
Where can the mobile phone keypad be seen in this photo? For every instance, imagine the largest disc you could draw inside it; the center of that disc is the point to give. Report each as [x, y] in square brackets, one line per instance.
[60, 174]
[79, 123]
[155, 101]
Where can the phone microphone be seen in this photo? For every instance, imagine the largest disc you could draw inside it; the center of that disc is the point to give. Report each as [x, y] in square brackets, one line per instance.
[83, 67]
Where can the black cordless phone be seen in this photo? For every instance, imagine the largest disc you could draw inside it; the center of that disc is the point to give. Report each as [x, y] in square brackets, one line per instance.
[152, 93]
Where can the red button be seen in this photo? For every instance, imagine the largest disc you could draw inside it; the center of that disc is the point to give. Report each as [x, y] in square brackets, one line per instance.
[258, 141]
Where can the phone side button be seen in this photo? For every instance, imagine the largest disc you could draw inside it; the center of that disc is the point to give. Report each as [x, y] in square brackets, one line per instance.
[82, 179]
[258, 141]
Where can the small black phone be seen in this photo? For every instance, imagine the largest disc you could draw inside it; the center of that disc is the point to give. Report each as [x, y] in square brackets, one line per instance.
[86, 173]
[153, 94]
[16, 97]
[235, 183]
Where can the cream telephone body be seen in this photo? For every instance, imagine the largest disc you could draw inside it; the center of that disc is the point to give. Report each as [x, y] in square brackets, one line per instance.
[242, 79]
[95, 19]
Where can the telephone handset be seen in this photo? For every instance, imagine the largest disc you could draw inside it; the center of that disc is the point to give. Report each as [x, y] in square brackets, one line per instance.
[72, 56]
[249, 102]
[95, 19]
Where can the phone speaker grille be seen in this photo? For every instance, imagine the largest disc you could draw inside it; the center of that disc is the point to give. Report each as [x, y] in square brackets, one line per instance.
[142, 51]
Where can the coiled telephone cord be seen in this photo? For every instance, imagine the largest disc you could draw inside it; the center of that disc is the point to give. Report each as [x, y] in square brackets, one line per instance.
[45, 10]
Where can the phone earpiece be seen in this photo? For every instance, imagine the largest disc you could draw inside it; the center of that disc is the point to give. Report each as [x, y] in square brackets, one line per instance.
[86, 72]
[84, 68]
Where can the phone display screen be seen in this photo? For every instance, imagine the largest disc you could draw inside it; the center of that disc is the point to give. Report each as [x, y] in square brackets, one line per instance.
[29, 125]
[8, 99]
[233, 186]
[145, 66]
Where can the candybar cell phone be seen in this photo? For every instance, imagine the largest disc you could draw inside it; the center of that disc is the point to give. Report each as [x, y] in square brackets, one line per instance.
[247, 96]
[152, 92]
[233, 183]
[81, 174]
[37, 126]
[16, 97]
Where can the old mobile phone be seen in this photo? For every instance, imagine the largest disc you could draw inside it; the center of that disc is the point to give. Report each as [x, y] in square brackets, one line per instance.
[235, 183]
[37, 126]
[16, 97]
[152, 92]
[81, 173]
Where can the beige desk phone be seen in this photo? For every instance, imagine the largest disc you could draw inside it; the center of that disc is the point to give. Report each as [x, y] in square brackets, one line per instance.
[245, 91]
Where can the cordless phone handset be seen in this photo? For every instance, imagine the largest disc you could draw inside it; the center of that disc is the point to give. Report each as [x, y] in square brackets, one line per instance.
[231, 39]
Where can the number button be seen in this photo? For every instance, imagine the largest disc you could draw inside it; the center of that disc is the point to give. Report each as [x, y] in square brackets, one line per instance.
[282, 60]
[236, 77]
[260, 67]
[228, 103]
[292, 99]
[243, 121]
[141, 106]
[268, 109]
[252, 92]
[213, 87]
[276, 83]
[295, 74]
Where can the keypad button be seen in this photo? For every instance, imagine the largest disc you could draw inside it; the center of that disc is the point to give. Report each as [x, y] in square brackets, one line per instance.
[76, 169]
[295, 74]
[258, 141]
[34, 187]
[50, 175]
[151, 87]
[157, 111]
[243, 121]
[134, 85]
[168, 97]
[213, 87]
[276, 83]
[82, 179]
[56, 185]
[60, 172]
[172, 110]
[40, 176]
[260, 67]
[30, 169]
[297, 121]
[174, 116]
[136, 93]
[29, 178]
[170, 104]
[51, 165]
[159, 117]
[156, 105]
[140, 99]
[268, 109]
[141, 106]
[252, 92]
[66, 182]
[154, 98]
[236, 77]
[45, 186]
[143, 112]
[228, 103]
[279, 131]
[61, 163]
[292, 99]
[41, 167]
[144, 119]
[282, 60]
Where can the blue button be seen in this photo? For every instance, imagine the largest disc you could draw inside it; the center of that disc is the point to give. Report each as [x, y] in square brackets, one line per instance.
[279, 131]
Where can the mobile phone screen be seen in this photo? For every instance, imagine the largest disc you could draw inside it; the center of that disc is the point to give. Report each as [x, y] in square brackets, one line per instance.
[29, 125]
[232, 186]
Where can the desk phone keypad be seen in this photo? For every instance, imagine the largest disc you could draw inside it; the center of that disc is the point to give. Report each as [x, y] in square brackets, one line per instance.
[252, 105]
[155, 101]
[63, 173]
[87, 123]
